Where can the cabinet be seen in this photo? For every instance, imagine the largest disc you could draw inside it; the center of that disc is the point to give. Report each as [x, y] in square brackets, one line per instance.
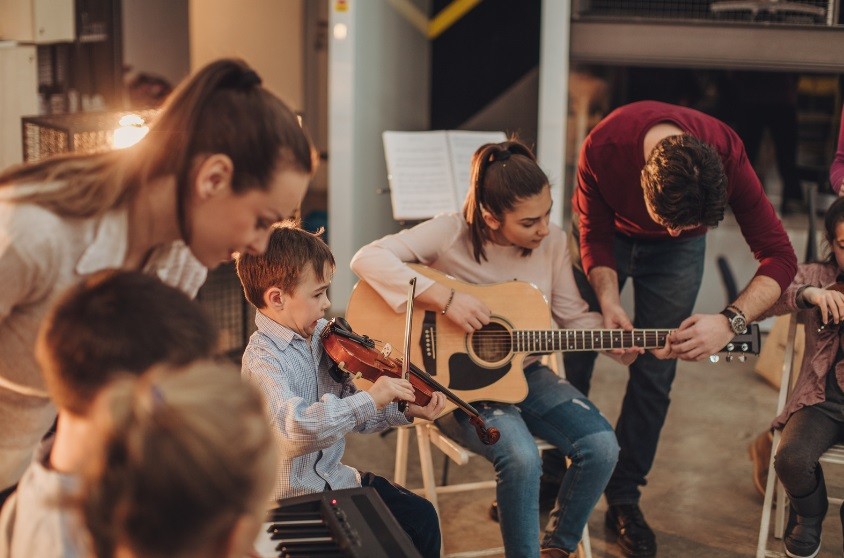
[18, 97]
[37, 21]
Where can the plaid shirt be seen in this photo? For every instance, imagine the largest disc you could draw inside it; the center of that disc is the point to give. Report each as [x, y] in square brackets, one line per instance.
[309, 411]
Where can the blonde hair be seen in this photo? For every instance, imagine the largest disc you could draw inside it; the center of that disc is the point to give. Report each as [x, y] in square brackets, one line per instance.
[221, 109]
[187, 454]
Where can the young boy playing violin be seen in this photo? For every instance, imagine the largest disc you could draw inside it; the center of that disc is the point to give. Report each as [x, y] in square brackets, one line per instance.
[310, 412]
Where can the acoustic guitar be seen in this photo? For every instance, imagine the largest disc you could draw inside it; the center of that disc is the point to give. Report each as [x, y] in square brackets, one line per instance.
[486, 365]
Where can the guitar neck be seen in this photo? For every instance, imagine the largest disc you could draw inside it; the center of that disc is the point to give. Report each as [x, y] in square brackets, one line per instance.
[554, 340]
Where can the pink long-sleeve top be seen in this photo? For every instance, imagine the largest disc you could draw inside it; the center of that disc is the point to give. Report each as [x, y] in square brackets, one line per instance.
[443, 243]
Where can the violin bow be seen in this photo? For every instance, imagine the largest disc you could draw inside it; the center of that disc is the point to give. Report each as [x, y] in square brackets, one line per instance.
[408, 324]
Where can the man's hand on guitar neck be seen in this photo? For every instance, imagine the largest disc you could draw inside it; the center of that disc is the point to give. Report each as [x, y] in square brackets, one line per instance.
[616, 318]
[699, 337]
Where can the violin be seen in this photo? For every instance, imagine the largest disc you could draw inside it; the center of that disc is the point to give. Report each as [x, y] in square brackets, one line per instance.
[356, 355]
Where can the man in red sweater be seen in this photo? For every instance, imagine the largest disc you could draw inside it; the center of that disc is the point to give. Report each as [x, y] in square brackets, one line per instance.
[652, 178]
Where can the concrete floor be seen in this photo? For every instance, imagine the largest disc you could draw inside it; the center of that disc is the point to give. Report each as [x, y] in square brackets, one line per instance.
[700, 499]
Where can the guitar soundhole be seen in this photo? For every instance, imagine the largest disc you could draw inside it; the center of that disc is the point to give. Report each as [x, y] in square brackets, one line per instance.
[492, 343]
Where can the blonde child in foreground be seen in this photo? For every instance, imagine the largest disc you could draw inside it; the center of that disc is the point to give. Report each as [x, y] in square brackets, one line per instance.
[311, 412]
[186, 467]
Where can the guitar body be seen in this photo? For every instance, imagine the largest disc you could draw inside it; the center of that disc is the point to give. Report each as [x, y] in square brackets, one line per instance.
[473, 371]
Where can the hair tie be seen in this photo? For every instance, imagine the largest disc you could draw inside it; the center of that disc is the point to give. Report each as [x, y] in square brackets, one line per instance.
[243, 81]
[157, 396]
[503, 155]
[155, 401]
[248, 79]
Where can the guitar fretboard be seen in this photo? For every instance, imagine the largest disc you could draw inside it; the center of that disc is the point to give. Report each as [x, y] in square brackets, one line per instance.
[543, 341]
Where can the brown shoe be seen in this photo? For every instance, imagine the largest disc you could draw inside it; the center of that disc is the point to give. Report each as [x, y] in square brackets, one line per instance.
[553, 553]
[760, 454]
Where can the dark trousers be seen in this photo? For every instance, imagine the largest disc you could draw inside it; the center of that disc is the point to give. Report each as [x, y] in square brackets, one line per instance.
[781, 120]
[415, 514]
[808, 433]
[666, 276]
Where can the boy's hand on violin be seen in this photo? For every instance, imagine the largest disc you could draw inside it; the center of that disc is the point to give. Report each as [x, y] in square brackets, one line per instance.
[385, 390]
[468, 312]
[430, 411]
[830, 303]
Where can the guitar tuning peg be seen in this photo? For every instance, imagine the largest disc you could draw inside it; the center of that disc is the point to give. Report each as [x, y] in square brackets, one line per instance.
[714, 358]
[729, 358]
[742, 358]
[745, 347]
[730, 347]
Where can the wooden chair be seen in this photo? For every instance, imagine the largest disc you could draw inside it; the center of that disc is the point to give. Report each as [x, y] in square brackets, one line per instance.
[833, 456]
[427, 435]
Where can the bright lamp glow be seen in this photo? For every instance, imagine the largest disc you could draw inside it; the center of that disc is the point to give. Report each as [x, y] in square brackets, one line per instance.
[132, 129]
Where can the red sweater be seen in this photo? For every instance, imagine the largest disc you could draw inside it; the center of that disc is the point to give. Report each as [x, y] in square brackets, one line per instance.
[609, 198]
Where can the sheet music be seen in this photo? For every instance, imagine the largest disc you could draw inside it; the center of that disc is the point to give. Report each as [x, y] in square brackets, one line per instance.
[429, 172]
[419, 171]
[463, 145]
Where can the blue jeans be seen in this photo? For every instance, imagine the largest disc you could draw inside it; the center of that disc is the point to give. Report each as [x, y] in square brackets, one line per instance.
[666, 278]
[556, 412]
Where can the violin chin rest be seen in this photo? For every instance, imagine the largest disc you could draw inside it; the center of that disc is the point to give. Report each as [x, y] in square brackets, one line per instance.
[340, 322]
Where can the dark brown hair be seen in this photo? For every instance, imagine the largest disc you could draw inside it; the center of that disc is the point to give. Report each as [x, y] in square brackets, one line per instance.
[221, 109]
[116, 322]
[834, 215]
[502, 174]
[684, 183]
[289, 249]
[186, 452]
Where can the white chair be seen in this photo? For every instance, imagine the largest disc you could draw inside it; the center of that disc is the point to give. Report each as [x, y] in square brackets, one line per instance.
[428, 434]
[833, 456]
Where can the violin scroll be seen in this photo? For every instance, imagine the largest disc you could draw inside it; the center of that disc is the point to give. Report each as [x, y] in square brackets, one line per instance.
[487, 436]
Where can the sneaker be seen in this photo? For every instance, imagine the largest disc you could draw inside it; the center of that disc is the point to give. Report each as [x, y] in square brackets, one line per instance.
[760, 454]
[633, 534]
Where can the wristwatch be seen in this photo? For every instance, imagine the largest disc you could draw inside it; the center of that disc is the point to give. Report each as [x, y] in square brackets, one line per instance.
[738, 323]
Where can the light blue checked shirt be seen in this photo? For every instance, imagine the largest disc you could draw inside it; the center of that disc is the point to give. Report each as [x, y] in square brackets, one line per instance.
[310, 412]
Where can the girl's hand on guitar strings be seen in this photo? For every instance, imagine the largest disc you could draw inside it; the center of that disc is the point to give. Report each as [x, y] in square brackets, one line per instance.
[468, 312]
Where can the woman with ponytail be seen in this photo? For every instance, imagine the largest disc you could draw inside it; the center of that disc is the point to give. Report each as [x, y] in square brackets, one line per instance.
[224, 160]
[505, 233]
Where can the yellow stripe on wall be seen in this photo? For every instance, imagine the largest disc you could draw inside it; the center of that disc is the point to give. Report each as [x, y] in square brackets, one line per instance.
[449, 15]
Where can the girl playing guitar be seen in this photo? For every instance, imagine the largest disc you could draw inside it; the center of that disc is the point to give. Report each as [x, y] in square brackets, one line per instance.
[504, 233]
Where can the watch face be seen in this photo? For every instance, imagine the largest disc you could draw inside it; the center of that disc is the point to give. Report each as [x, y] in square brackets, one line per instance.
[739, 324]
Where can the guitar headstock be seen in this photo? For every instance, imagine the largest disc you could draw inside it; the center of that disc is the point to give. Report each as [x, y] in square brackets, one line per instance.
[742, 345]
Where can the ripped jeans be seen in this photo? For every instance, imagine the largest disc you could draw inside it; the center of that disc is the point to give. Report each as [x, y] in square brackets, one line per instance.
[556, 412]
